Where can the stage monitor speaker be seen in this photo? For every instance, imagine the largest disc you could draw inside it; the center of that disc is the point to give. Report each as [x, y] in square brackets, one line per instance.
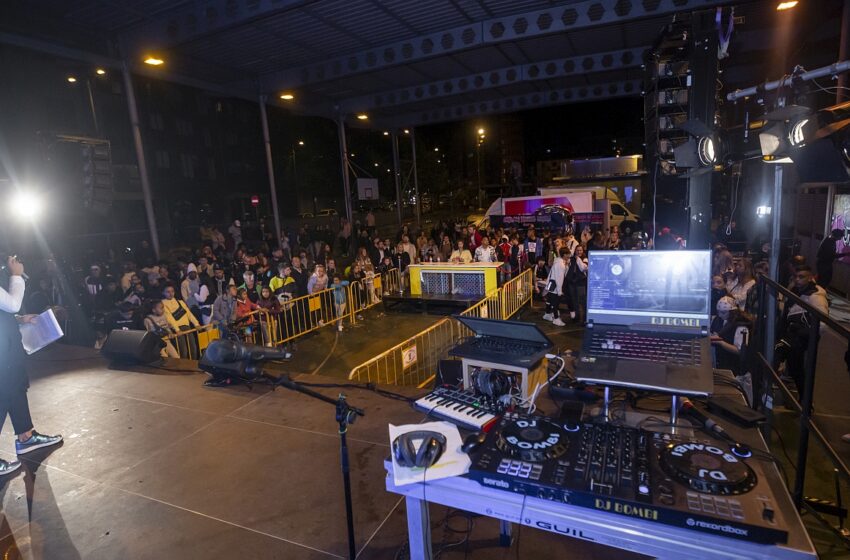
[127, 346]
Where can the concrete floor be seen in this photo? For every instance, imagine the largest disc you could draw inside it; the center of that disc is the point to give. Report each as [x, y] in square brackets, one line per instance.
[156, 466]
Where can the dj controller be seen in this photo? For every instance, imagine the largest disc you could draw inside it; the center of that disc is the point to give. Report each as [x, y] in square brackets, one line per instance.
[704, 485]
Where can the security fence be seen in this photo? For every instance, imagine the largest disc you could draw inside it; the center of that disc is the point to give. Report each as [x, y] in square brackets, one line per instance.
[414, 361]
[296, 317]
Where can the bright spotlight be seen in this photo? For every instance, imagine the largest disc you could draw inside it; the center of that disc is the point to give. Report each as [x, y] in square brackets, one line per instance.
[481, 131]
[154, 61]
[782, 6]
[71, 79]
[362, 117]
[100, 72]
[797, 135]
[706, 151]
[25, 205]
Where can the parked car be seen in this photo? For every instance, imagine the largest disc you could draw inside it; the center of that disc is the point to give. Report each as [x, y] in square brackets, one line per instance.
[304, 215]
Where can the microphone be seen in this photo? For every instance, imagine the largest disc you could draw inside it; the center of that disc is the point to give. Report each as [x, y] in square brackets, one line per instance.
[689, 409]
[226, 351]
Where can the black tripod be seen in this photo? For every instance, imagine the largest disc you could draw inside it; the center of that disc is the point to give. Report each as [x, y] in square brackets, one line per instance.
[345, 415]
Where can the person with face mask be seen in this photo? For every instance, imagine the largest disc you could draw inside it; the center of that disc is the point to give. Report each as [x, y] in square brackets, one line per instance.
[729, 331]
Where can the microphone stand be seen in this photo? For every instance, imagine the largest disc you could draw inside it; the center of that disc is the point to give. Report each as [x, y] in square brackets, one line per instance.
[345, 415]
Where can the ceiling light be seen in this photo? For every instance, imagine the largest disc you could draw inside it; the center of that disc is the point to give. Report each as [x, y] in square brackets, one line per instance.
[362, 117]
[100, 71]
[71, 79]
[787, 5]
[154, 61]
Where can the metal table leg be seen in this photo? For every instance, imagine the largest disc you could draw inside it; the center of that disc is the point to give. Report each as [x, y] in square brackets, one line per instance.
[418, 528]
[504, 533]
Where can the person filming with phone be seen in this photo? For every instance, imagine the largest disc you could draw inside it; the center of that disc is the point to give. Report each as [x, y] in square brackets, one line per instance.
[13, 375]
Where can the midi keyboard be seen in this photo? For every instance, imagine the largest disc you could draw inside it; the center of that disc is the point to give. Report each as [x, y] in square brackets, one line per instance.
[463, 408]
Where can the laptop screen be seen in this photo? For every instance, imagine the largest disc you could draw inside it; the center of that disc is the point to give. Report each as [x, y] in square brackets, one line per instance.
[664, 288]
[528, 332]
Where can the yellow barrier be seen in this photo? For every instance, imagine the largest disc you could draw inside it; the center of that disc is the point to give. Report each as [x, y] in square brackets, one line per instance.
[392, 282]
[189, 344]
[411, 362]
[414, 361]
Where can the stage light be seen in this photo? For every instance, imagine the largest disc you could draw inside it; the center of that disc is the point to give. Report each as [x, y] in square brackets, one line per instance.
[782, 6]
[301, 143]
[72, 79]
[481, 131]
[25, 205]
[436, 149]
[154, 61]
[100, 72]
[362, 117]
[287, 96]
[407, 131]
[706, 151]
[386, 133]
[797, 135]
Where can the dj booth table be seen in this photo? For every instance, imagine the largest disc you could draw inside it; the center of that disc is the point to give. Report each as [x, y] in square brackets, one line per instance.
[611, 529]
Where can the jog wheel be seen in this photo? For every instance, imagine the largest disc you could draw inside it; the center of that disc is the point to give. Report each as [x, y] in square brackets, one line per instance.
[532, 439]
[707, 468]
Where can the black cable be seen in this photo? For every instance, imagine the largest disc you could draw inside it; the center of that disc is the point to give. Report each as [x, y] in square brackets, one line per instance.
[519, 529]
[368, 387]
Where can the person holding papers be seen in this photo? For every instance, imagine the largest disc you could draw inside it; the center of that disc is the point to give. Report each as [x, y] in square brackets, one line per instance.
[13, 376]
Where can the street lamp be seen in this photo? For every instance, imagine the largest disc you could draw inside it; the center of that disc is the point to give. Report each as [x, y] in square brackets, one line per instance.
[72, 80]
[481, 136]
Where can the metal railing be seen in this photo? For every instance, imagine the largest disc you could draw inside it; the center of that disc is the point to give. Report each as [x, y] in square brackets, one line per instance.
[767, 379]
[414, 361]
[296, 318]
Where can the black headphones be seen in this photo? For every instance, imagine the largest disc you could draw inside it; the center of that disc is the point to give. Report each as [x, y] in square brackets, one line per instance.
[491, 383]
[430, 450]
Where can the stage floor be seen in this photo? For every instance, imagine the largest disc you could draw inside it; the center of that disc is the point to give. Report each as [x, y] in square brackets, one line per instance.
[156, 466]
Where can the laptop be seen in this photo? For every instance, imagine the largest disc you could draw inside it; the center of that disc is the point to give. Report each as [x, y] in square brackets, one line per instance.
[513, 343]
[648, 319]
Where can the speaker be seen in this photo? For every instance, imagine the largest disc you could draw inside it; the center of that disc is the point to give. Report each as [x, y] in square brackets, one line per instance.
[127, 346]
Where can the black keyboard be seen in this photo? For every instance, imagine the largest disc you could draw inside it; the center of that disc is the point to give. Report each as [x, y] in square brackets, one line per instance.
[638, 346]
[503, 346]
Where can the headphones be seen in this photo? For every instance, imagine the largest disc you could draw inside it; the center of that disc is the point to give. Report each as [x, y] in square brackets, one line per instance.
[430, 450]
[491, 383]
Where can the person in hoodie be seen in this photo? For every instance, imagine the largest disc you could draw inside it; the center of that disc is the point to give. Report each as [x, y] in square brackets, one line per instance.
[795, 322]
[554, 288]
[268, 320]
[192, 290]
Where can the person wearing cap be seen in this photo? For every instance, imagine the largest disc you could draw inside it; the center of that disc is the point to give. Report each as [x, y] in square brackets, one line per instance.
[729, 331]
[93, 282]
[252, 287]
[13, 374]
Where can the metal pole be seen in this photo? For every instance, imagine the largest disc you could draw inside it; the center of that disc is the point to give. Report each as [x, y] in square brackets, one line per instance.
[831, 70]
[416, 176]
[843, 51]
[478, 167]
[140, 156]
[343, 156]
[91, 104]
[775, 247]
[264, 119]
[397, 177]
[805, 414]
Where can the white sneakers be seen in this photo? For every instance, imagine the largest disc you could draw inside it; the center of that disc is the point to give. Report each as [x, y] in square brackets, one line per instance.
[548, 317]
[558, 323]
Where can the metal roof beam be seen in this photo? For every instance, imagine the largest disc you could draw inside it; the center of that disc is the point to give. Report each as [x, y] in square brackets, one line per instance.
[514, 103]
[517, 27]
[194, 20]
[500, 77]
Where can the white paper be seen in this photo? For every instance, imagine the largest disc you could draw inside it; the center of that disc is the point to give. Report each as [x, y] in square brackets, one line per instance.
[41, 332]
[453, 461]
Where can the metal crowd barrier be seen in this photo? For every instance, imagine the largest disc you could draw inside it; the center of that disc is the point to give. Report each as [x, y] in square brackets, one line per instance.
[296, 318]
[414, 361]
[766, 380]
